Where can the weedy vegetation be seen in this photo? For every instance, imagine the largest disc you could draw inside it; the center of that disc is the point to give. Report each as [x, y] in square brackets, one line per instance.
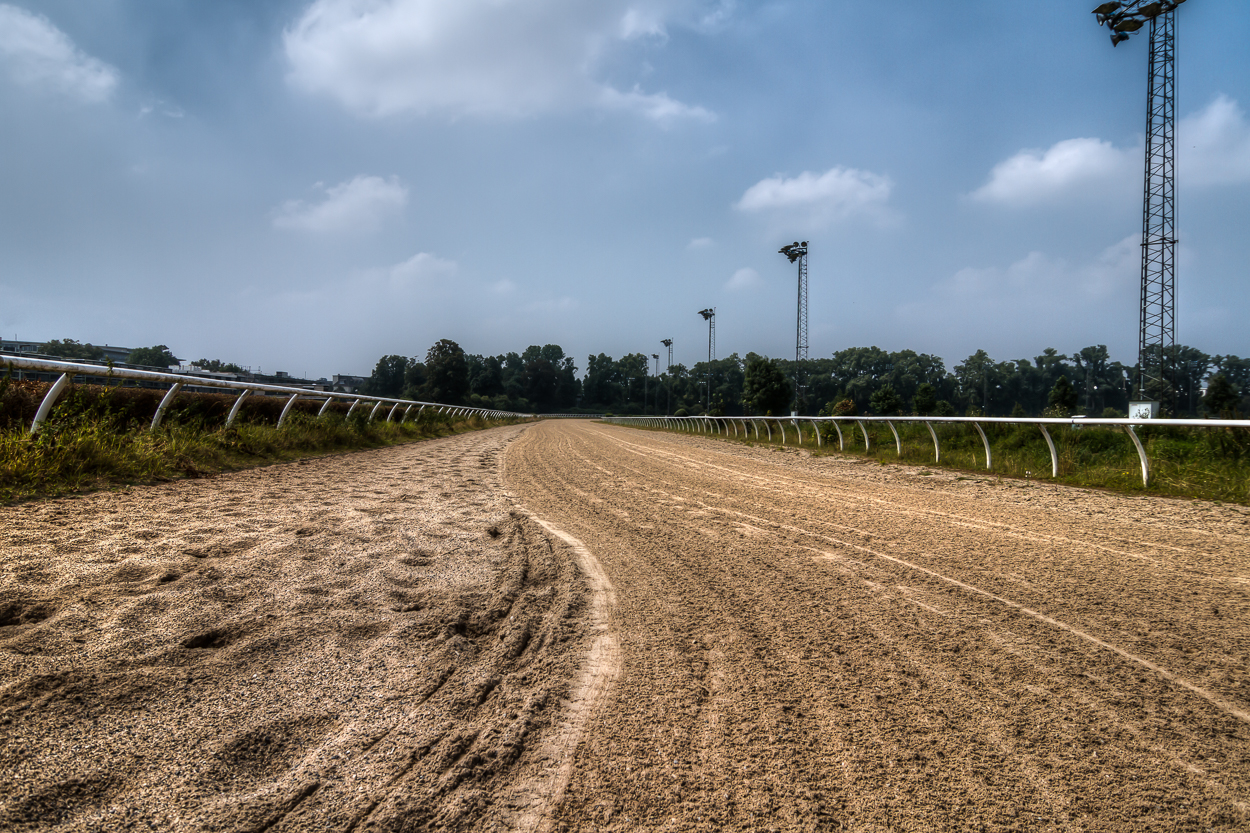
[97, 437]
[1200, 463]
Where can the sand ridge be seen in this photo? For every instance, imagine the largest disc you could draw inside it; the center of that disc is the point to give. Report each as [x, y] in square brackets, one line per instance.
[373, 641]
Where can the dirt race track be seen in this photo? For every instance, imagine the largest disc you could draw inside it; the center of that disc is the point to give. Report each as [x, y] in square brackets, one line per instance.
[578, 626]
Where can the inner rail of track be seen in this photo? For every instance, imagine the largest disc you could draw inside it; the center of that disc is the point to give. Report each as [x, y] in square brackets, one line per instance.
[177, 381]
[724, 424]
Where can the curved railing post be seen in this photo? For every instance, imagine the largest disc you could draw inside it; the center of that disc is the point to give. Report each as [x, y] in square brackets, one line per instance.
[234, 409]
[838, 428]
[391, 413]
[937, 447]
[1141, 454]
[404, 418]
[49, 399]
[820, 441]
[782, 426]
[352, 408]
[325, 405]
[769, 429]
[897, 442]
[986, 442]
[864, 431]
[376, 405]
[160, 409]
[1054, 457]
[286, 408]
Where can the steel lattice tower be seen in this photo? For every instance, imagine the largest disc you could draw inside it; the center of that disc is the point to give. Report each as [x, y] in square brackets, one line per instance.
[797, 252]
[1158, 262]
[1157, 328]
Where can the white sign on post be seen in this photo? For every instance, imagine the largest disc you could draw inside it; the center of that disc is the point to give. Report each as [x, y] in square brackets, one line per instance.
[1143, 410]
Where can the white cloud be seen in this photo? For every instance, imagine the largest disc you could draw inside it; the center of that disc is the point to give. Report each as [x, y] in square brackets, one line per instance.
[419, 269]
[744, 278]
[655, 106]
[836, 194]
[1213, 145]
[36, 54]
[475, 57]
[552, 306]
[360, 204]
[700, 243]
[1037, 301]
[1038, 279]
[1073, 165]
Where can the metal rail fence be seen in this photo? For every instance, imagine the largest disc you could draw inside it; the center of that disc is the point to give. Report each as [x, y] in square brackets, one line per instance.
[177, 382]
[723, 424]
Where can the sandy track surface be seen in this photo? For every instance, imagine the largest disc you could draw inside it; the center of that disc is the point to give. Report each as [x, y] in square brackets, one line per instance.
[374, 641]
[831, 644]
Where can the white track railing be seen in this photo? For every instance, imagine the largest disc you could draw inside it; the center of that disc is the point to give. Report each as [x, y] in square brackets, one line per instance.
[723, 425]
[178, 381]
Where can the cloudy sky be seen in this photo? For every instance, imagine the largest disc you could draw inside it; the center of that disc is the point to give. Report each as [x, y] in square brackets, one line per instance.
[306, 186]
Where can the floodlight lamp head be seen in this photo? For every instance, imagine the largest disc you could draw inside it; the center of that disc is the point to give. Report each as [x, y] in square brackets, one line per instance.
[667, 342]
[707, 313]
[1104, 11]
[1117, 38]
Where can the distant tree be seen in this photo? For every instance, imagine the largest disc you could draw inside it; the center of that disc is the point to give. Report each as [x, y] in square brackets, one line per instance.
[1222, 398]
[447, 373]
[885, 401]
[943, 409]
[1063, 397]
[925, 399]
[1018, 411]
[387, 378]
[158, 356]
[68, 348]
[765, 388]
[414, 380]
[218, 366]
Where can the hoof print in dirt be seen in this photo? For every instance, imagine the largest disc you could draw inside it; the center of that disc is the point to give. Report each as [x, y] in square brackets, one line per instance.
[211, 639]
[17, 613]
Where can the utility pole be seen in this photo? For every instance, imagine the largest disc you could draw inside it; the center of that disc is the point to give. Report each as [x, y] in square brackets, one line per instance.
[1156, 337]
[656, 356]
[797, 252]
[709, 315]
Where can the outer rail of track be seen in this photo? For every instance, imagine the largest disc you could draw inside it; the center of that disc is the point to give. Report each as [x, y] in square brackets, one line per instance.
[723, 424]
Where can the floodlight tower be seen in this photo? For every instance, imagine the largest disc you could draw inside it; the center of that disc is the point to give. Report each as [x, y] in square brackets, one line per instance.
[798, 252]
[668, 342]
[1157, 331]
[709, 315]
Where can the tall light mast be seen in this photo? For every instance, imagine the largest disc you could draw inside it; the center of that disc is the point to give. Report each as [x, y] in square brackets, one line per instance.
[668, 342]
[797, 252]
[1157, 331]
[709, 315]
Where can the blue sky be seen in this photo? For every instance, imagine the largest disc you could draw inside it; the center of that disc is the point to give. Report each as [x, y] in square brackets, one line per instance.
[307, 186]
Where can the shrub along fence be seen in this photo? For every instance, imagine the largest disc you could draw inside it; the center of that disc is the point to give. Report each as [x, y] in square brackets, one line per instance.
[1229, 438]
[265, 401]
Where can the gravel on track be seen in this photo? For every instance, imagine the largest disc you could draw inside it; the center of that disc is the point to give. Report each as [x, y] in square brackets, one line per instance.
[371, 641]
[575, 626]
[825, 643]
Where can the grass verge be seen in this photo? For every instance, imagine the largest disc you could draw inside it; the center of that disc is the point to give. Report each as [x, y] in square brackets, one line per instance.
[1197, 463]
[82, 449]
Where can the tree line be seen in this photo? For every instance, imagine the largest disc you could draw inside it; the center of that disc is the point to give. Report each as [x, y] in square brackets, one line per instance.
[855, 380]
[865, 380]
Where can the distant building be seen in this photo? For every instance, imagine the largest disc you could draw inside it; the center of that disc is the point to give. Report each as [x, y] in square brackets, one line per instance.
[347, 384]
[117, 355]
